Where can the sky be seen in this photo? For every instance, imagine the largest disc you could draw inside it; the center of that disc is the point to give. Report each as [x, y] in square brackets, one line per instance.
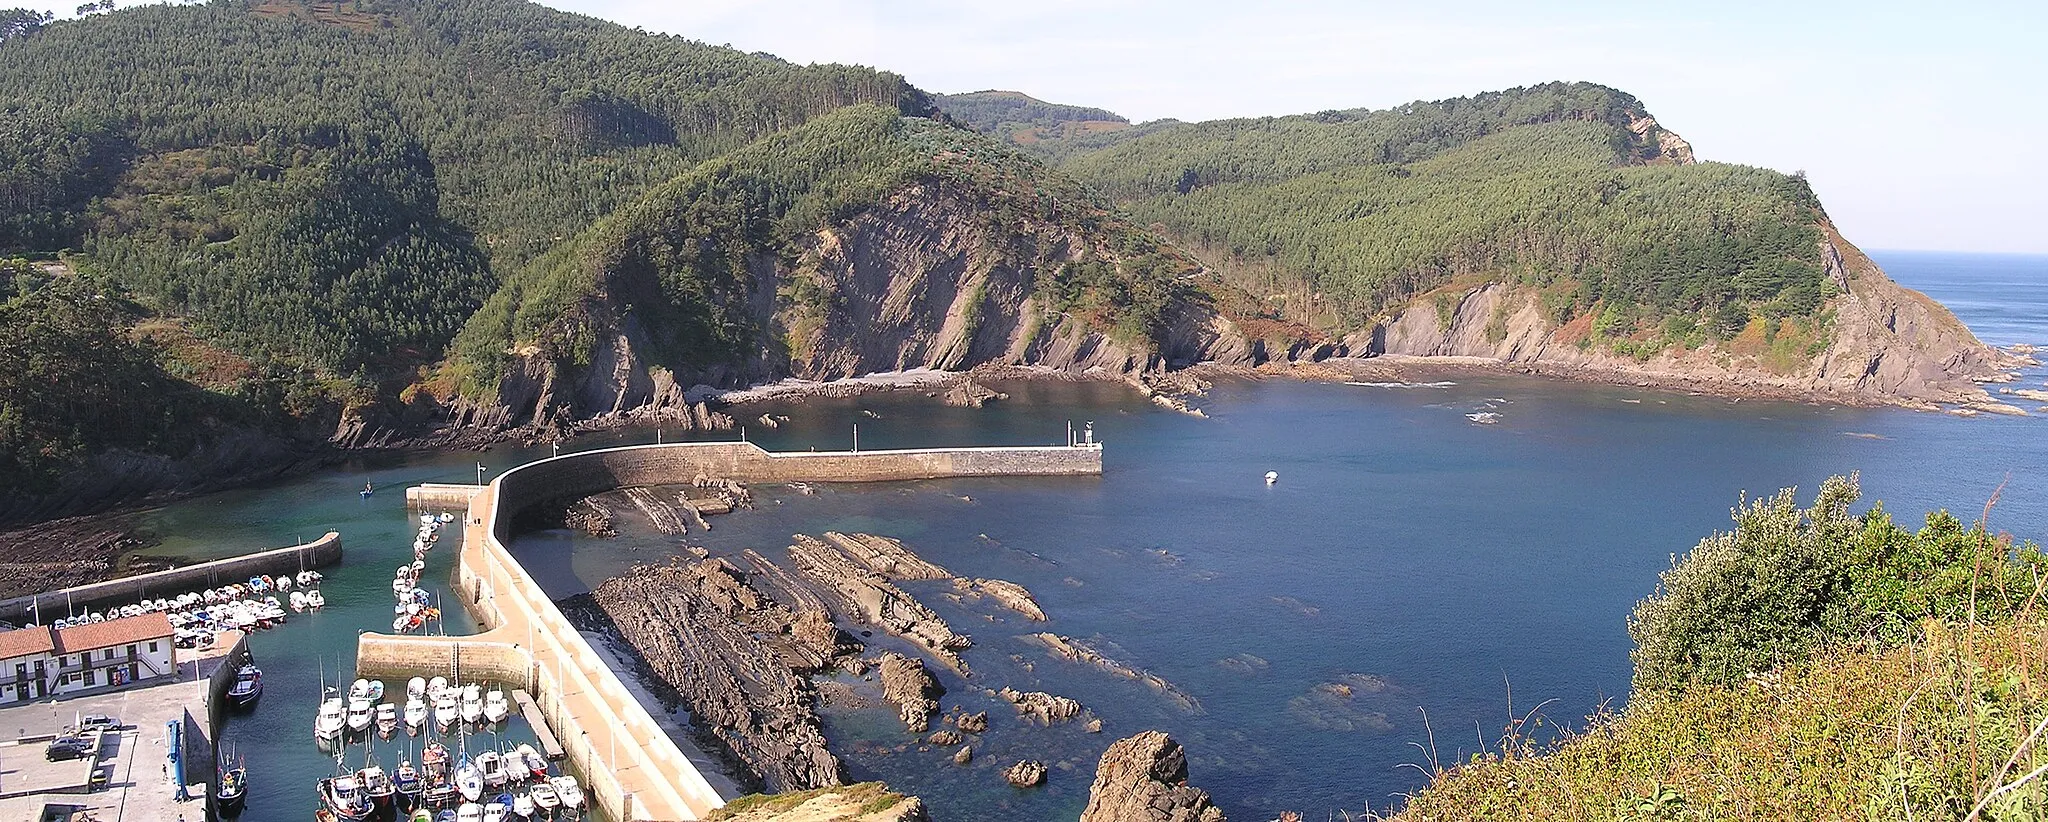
[1917, 123]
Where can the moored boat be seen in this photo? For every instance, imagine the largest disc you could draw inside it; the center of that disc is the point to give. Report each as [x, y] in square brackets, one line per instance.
[343, 796]
[544, 795]
[491, 766]
[570, 793]
[331, 721]
[248, 687]
[360, 714]
[411, 785]
[377, 785]
[532, 760]
[387, 719]
[233, 790]
[468, 781]
[415, 716]
[496, 708]
[472, 702]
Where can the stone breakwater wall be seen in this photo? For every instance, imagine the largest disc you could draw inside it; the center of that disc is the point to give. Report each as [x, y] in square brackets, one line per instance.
[319, 553]
[440, 495]
[634, 771]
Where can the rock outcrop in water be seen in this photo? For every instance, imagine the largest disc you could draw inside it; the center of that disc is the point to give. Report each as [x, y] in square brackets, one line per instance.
[1145, 779]
[738, 659]
[868, 597]
[911, 688]
[1074, 650]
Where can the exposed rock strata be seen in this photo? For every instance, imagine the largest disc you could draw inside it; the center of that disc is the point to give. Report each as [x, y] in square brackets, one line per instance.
[738, 661]
[1145, 779]
[886, 556]
[868, 597]
[1074, 650]
[912, 689]
[1009, 594]
[1050, 709]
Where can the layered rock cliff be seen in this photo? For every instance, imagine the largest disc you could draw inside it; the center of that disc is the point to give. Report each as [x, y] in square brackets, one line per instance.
[1874, 342]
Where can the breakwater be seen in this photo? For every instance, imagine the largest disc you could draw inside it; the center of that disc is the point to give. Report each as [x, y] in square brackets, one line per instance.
[633, 769]
[316, 554]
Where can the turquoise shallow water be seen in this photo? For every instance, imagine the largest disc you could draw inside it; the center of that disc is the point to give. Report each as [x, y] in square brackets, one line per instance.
[1425, 562]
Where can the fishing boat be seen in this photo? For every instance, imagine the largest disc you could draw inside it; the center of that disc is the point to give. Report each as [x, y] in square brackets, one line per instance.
[472, 702]
[415, 716]
[568, 791]
[495, 707]
[328, 726]
[436, 685]
[343, 796]
[498, 809]
[368, 489]
[491, 765]
[387, 719]
[248, 687]
[377, 785]
[315, 600]
[522, 803]
[468, 781]
[410, 783]
[532, 760]
[440, 780]
[544, 796]
[360, 714]
[446, 712]
[299, 601]
[415, 688]
[232, 791]
[469, 812]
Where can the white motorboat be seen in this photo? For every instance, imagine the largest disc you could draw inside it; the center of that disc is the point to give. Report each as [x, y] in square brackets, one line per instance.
[496, 708]
[544, 796]
[387, 719]
[491, 765]
[472, 703]
[531, 759]
[446, 711]
[415, 715]
[497, 811]
[415, 688]
[315, 600]
[298, 599]
[568, 791]
[329, 724]
[470, 812]
[360, 714]
[437, 685]
[522, 804]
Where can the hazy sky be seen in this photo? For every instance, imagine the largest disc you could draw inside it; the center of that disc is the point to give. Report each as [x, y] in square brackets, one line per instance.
[1919, 124]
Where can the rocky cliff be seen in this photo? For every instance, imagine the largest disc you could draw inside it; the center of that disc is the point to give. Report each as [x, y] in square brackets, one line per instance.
[1874, 342]
[1144, 778]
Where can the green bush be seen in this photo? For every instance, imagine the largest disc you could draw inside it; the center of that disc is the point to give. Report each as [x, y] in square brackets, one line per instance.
[1789, 581]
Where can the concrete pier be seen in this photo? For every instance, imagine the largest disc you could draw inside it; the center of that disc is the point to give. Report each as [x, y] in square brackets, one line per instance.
[319, 553]
[635, 772]
[440, 496]
[527, 708]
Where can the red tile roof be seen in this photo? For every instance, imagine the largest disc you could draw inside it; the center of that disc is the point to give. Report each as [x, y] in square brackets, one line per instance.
[113, 632]
[26, 641]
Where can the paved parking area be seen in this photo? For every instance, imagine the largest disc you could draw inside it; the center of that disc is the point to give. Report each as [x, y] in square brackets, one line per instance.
[134, 761]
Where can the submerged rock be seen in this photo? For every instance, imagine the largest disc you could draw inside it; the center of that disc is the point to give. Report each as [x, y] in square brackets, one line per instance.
[973, 723]
[1051, 710]
[1145, 779]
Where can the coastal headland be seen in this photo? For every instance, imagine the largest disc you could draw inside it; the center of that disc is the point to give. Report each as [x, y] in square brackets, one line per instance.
[635, 771]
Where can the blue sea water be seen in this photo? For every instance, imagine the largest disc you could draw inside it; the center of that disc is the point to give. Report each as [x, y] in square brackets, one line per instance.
[1408, 571]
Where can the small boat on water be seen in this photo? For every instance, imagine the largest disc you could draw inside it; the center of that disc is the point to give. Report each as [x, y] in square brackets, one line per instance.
[410, 784]
[446, 711]
[248, 687]
[233, 790]
[491, 766]
[522, 803]
[332, 720]
[299, 601]
[360, 714]
[415, 687]
[468, 781]
[440, 780]
[472, 702]
[415, 716]
[387, 719]
[368, 489]
[315, 600]
[568, 791]
[544, 796]
[343, 796]
[496, 708]
[532, 760]
[377, 785]
[498, 809]
[469, 812]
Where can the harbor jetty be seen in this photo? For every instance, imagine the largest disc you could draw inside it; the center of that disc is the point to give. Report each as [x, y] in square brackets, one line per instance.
[635, 772]
[319, 553]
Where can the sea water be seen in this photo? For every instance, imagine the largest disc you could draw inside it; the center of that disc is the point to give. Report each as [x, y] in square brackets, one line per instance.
[1411, 580]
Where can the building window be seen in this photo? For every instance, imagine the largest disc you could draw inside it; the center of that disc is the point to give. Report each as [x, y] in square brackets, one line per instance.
[152, 646]
[89, 677]
[109, 654]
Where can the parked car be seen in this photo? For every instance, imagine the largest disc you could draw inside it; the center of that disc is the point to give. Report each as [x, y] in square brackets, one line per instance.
[66, 747]
[92, 723]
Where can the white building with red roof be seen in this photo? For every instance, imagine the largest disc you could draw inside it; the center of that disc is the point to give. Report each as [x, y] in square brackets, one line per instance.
[40, 661]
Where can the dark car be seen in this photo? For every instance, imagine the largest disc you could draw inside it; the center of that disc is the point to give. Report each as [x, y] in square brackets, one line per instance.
[69, 747]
